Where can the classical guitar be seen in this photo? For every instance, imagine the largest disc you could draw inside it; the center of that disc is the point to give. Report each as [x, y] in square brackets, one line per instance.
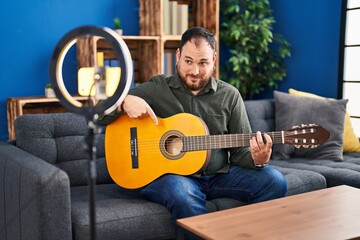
[138, 151]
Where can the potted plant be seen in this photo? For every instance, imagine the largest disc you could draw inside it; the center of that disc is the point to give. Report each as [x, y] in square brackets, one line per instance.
[117, 26]
[257, 55]
[49, 91]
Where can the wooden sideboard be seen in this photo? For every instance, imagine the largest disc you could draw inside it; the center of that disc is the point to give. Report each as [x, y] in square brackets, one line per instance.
[17, 106]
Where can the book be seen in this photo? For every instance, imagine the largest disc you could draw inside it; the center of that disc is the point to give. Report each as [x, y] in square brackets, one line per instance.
[166, 16]
[169, 62]
[182, 18]
[173, 15]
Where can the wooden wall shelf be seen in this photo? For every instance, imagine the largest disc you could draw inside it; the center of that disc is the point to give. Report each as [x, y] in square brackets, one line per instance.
[17, 106]
[148, 49]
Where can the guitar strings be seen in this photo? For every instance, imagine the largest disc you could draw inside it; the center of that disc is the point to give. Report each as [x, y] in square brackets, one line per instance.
[195, 143]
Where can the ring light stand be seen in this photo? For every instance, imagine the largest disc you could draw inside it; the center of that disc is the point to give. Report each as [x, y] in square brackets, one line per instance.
[91, 112]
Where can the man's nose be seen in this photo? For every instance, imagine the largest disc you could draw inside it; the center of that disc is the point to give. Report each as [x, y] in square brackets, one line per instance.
[195, 70]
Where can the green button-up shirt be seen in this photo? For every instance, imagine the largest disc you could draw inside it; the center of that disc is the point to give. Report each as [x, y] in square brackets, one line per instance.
[219, 105]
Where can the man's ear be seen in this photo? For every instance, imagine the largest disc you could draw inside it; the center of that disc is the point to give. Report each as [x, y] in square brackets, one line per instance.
[177, 55]
[215, 56]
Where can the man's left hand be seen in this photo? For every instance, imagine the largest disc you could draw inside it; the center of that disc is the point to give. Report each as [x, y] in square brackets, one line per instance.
[260, 150]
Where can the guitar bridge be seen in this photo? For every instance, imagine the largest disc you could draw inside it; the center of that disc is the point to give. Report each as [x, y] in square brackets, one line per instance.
[134, 147]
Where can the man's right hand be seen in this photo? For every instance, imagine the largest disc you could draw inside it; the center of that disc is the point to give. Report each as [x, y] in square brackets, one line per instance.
[136, 107]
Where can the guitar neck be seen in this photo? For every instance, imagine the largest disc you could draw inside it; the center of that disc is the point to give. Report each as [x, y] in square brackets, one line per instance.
[207, 142]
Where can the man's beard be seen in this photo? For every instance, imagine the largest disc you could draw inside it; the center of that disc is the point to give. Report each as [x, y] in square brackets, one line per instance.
[194, 86]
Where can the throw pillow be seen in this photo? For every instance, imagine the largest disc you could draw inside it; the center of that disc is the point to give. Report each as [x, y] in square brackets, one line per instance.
[296, 110]
[351, 142]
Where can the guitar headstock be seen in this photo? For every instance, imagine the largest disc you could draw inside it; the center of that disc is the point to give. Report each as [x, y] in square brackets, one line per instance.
[306, 136]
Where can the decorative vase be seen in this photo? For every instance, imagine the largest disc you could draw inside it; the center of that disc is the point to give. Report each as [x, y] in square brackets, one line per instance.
[119, 31]
[49, 93]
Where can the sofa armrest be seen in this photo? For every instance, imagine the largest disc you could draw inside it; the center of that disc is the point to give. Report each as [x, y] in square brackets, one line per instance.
[35, 197]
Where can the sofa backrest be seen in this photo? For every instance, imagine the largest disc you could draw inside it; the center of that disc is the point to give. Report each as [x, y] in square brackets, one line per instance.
[58, 138]
[261, 114]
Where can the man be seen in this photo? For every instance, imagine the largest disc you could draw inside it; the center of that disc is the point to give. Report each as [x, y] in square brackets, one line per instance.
[238, 173]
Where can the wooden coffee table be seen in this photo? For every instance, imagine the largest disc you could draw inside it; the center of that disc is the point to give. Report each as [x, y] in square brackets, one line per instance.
[332, 213]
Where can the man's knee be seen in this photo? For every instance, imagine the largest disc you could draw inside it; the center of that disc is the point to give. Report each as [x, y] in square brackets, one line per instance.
[178, 189]
[276, 182]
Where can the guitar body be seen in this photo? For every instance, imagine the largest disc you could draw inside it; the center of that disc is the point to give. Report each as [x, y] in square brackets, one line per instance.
[138, 151]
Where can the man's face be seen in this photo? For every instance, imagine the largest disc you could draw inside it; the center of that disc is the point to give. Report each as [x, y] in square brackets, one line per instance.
[195, 64]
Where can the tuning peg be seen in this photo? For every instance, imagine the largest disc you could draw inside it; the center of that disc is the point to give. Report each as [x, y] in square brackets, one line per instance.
[305, 146]
[297, 146]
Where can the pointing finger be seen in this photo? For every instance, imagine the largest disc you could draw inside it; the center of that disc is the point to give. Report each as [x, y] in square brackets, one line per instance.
[152, 115]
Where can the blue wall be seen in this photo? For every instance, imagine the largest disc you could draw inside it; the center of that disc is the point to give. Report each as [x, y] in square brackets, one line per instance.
[313, 29]
[31, 29]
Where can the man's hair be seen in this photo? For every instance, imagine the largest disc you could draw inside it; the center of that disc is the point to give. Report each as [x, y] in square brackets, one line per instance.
[197, 33]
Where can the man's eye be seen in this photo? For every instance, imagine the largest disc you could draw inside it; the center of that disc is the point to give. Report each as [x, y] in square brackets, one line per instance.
[188, 61]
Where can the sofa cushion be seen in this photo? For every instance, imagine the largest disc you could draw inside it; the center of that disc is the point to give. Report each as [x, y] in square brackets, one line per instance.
[301, 181]
[123, 213]
[296, 110]
[351, 142]
[78, 171]
[59, 138]
[120, 214]
[261, 114]
[336, 173]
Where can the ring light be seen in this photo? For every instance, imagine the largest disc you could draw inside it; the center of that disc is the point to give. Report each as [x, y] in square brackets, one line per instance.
[123, 56]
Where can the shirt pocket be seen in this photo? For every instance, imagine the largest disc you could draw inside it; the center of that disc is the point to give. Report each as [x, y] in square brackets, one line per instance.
[217, 124]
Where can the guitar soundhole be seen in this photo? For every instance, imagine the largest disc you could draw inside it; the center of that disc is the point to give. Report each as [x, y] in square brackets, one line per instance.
[172, 145]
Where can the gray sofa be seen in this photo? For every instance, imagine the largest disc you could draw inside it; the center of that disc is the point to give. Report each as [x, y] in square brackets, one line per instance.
[44, 193]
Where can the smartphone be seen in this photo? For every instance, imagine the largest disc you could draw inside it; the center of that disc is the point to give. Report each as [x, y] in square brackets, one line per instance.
[88, 87]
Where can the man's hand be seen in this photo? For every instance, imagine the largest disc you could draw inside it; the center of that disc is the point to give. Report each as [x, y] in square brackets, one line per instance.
[136, 107]
[260, 151]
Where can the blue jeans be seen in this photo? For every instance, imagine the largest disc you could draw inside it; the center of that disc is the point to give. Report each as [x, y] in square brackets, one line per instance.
[186, 196]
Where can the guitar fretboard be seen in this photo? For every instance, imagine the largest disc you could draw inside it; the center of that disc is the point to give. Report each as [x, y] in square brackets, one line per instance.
[196, 143]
